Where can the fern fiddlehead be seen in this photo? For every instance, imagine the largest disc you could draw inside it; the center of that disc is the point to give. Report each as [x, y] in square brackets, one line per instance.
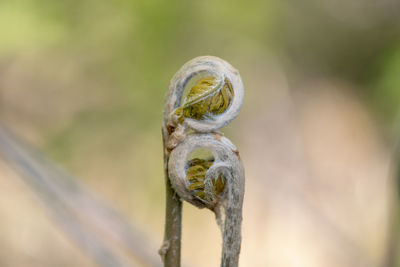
[190, 123]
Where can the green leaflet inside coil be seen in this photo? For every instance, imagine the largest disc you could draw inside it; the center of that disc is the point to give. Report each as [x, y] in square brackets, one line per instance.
[209, 96]
[196, 173]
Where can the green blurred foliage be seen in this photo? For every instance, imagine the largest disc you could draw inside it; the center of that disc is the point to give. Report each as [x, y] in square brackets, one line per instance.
[386, 88]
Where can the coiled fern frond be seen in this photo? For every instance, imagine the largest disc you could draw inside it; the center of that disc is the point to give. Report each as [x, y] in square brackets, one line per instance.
[191, 123]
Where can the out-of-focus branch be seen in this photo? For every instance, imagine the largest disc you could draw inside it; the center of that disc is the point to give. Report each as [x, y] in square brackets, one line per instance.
[392, 258]
[98, 229]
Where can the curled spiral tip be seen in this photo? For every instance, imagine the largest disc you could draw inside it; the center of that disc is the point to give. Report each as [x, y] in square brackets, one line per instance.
[202, 68]
[225, 162]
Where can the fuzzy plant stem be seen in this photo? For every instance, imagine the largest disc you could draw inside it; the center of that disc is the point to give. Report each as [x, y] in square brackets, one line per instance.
[170, 250]
[215, 183]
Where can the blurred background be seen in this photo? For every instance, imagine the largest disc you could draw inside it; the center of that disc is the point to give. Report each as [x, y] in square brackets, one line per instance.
[84, 83]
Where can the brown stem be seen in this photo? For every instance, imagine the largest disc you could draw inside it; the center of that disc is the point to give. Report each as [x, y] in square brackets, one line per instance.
[171, 248]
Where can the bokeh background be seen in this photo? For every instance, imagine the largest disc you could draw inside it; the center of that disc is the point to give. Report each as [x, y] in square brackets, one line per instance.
[84, 82]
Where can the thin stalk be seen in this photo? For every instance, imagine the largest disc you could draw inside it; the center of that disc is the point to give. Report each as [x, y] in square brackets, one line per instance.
[171, 248]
